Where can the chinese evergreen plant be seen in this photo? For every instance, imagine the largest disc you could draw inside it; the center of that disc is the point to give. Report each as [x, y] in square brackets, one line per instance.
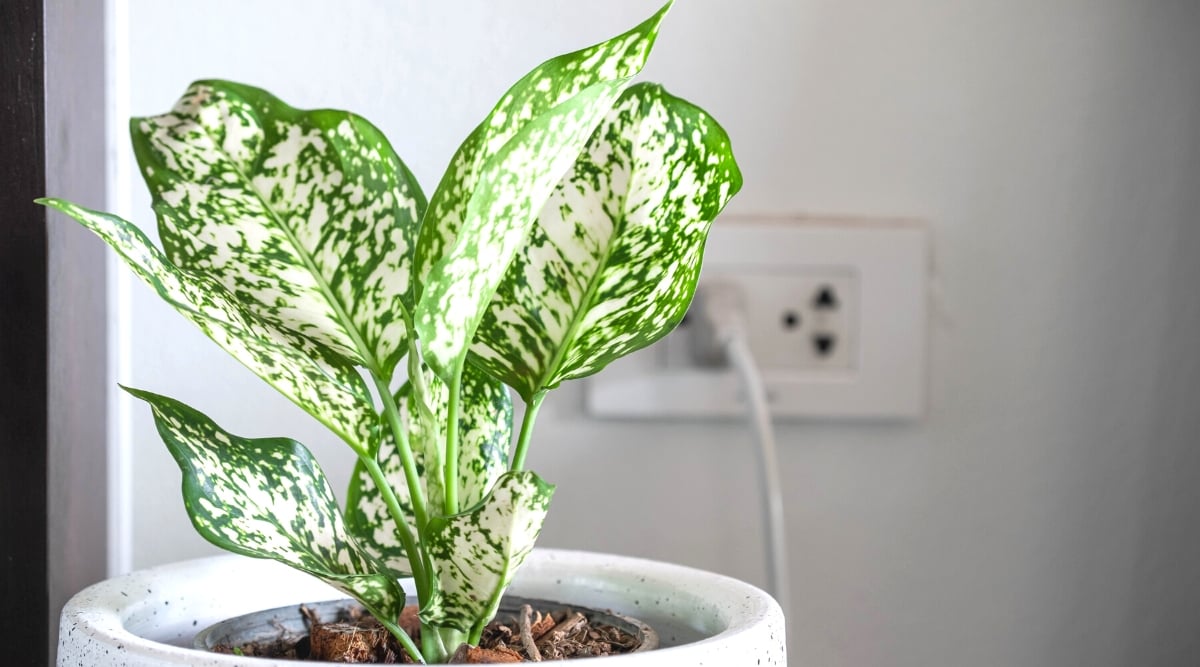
[566, 232]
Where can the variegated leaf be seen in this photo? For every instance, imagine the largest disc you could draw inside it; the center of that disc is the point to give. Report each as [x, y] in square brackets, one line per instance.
[612, 262]
[499, 179]
[268, 498]
[477, 553]
[485, 432]
[460, 286]
[545, 87]
[328, 389]
[367, 515]
[307, 217]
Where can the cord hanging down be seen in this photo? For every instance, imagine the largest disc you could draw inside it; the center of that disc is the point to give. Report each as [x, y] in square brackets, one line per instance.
[720, 339]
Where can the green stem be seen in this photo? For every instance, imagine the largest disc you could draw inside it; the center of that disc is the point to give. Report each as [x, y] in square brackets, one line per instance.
[431, 641]
[476, 633]
[486, 617]
[450, 481]
[531, 410]
[406, 536]
[415, 492]
[452, 638]
[420, 393]
[404, 639]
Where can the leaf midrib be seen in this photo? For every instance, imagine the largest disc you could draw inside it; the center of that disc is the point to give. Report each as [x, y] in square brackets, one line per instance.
[580, 314]
[340, 312]
[156, 284]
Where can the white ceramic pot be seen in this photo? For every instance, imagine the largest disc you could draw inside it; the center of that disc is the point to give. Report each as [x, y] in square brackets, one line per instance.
[148, 618]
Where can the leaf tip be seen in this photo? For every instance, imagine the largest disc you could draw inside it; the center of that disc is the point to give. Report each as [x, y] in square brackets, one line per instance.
[655, 21]
[52, 202]
[138, 393]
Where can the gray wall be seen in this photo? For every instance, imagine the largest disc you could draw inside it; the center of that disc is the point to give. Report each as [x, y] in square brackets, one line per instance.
[78, 382]
[1040, 515]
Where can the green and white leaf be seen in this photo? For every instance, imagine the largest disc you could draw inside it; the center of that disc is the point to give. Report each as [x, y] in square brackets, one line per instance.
[307, 217]
[545, 87]
[477, 553]
[483, 208]
[268, 498]
[329, 389]
[612, 262]
[485, 432]
[367, 516]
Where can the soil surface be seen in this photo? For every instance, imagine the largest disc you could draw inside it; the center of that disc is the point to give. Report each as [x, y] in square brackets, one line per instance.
[532, 636]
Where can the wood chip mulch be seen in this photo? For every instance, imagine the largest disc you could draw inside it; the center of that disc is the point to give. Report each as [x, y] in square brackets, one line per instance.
[533, 636]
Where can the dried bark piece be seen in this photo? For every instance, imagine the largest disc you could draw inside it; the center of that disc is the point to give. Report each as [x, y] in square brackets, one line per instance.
[310, 616]
[543, 624]
[527, 642]
[551, 644]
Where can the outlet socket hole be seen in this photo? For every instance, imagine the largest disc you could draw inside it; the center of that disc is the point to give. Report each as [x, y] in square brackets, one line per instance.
[791, 319]
[824, 344]
[825, 299]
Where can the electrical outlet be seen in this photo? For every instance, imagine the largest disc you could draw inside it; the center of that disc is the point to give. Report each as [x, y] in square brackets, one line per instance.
[835, 319]
[797, 318]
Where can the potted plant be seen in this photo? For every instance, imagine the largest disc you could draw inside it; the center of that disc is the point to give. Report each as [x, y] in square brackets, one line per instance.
[566, 232]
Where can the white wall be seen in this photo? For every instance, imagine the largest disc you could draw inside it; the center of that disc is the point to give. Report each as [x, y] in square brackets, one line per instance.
[1043, 513]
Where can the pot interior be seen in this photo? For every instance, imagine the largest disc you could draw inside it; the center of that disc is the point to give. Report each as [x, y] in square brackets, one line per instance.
[287, 622]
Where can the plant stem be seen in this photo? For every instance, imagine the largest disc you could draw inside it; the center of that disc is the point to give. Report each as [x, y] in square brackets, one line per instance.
[406, 538]
[452, 638]
[404, 639]
[487, 616]
[450, 482]
[415, 493]
[431, 641]
[531, 410]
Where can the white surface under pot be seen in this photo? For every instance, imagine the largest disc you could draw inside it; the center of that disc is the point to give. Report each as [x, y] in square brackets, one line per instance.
[148, 618]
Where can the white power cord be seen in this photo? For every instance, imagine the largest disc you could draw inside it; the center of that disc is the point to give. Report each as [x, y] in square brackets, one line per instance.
[720, 338]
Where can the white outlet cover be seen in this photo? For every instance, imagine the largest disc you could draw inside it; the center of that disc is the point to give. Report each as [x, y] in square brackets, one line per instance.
[885, 265]
[784, 319]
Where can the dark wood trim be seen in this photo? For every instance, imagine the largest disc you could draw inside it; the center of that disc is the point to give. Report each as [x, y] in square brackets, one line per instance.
[24, 601]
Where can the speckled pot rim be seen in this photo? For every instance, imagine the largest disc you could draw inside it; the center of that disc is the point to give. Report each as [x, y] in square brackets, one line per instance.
[150, 617]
